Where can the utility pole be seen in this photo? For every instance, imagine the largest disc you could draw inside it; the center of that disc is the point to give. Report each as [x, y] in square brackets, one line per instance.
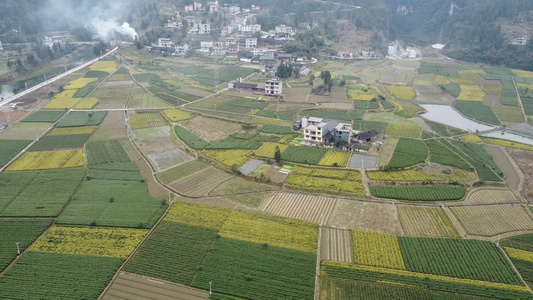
[18, 249]
[210, 283]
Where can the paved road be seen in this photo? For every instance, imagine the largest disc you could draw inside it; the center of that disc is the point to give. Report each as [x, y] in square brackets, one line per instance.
[40, 85]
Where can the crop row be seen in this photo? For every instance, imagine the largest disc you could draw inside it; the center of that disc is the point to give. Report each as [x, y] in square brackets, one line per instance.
[107, 66]
[79, 83]
[276, 129]
[198, 215]
[88, 103]
[407, 130]
[268, 149]
[328, 173]
[146, 120]
[509, 144]
[104, 152]
[420, 175]
[428, 281]
[72, 130]
[477, 110]
[419, 193]
[231, 143]
[441, 154]
[82, 118]
[471, 93]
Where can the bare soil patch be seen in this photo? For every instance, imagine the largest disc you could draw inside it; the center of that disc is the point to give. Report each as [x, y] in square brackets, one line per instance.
[524, 160]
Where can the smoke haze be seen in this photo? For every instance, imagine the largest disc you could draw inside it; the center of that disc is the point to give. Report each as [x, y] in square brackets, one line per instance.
[104, 17]
[7, 91]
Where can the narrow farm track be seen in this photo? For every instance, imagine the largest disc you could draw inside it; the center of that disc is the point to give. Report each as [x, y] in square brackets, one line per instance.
[515, 178]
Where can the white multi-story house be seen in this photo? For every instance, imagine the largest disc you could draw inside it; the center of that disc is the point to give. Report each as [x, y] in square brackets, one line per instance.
[248, 29]
[274, 87]
[181, 49]
[315, 130]
[201, 29]
[519, 41]
[251, 42]
[219, 49]
[393, 49]
[205, 46]
[213, 6]
[230, 41]
[164, 42]
[227, 30]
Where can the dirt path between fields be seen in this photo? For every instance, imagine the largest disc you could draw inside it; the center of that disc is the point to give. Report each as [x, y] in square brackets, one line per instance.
[514, 176]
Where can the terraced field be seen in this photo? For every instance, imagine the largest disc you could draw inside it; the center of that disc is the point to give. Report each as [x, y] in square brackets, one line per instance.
[309, 208]
[488, 196]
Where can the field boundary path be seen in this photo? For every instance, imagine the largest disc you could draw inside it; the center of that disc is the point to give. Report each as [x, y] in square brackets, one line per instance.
[519, 99]
[318, 259]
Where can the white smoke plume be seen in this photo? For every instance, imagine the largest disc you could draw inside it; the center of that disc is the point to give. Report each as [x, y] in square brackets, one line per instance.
[7, 91]
[104, 17]
[106, 28]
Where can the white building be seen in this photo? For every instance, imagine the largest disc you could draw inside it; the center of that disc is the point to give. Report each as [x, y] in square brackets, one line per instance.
[219, 49]
[248, 29]
[201, 29]
[205, 46]
[1, 48]
[519, 41]
[251, 43]
[181, 49]
[393, 49]
[213, 6]
[234, 9]
[274, 87]
[164, 42]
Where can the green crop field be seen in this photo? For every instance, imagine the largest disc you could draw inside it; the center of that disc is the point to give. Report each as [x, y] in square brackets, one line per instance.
[479, 154]
[231, 143]
[81, 118]
[22, 231]
[84, 91]
[225, 74]
[39, 275]
[477, 110]
[185, 253]
[190, 138]
[419, 193]
[441, 154]
[257, 271]
[110, 202]
[469, 259]
[104, 152]
[45, 116]
[53, 187]
[408, 152]
[303, 155]
[453, 286]
[380, 127]
[56, 142]
[10, 148]
[483, 170]
[276, 129]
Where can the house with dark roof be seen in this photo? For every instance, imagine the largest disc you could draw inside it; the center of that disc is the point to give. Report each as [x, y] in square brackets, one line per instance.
[365, 136]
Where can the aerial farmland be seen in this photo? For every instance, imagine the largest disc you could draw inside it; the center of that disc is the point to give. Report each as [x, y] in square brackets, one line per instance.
[156, 183]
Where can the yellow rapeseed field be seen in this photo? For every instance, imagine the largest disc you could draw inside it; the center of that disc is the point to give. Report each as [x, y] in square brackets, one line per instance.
[377, 249]
[276, 231]
[228, 157]
[524, 86]
[107, 66]
[88, 103]
[509, 144]
[416, 175]
[63, 100]
[522, 73]
[407, 130]
[198, 215]
[471, 93]
[73, 130]
[94, 241]
[519, 254]
[335, 158]
[176, 115]
[79, 83]
[48, 160]
[470, 138]
[360, 95]
[401, 92]
[268, 149]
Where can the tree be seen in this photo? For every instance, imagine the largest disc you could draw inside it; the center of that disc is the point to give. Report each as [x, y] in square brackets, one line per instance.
[326, 76]
[277, 155]
[138, 43]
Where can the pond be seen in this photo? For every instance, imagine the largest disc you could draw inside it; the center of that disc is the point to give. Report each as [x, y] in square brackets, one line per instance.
[446, 115]
[510, 136]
